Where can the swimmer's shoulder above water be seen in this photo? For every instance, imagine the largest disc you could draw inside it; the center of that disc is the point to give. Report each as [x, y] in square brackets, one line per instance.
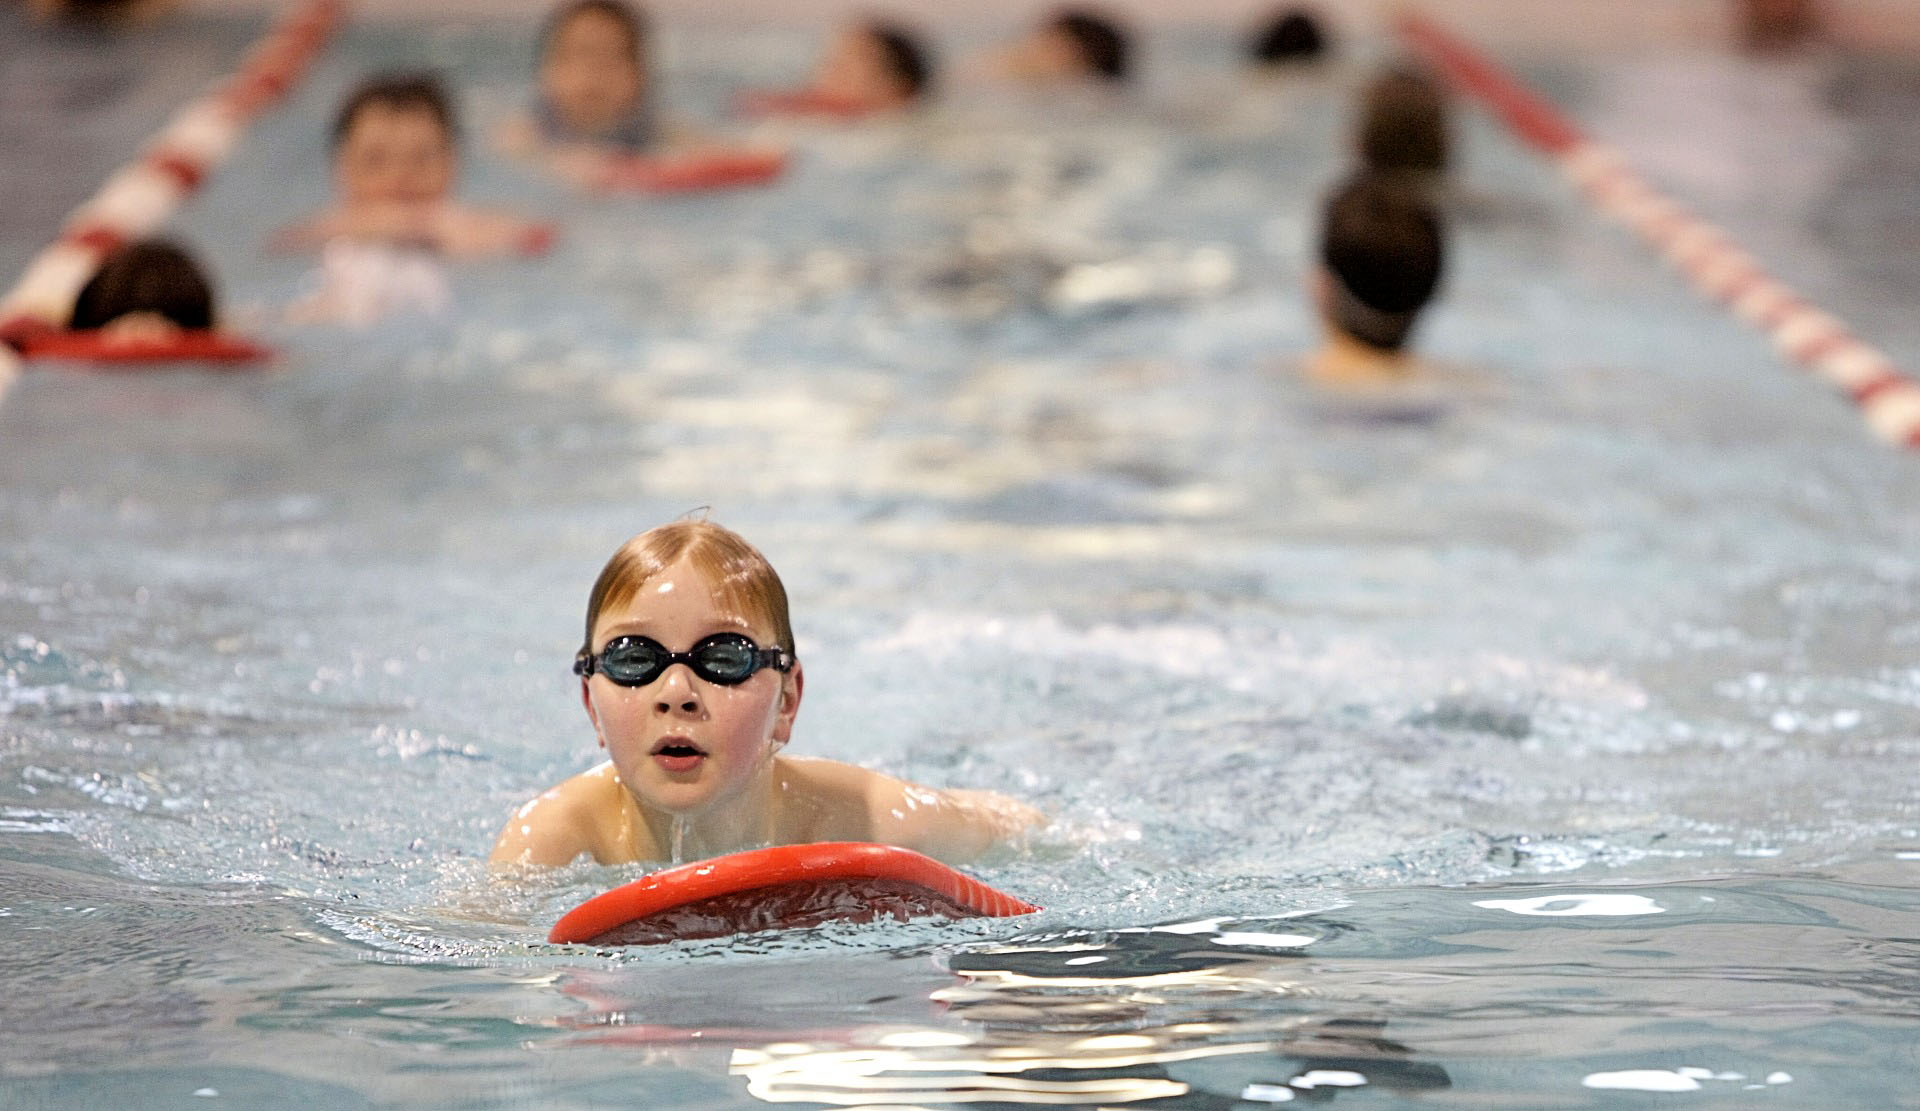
[689, 677]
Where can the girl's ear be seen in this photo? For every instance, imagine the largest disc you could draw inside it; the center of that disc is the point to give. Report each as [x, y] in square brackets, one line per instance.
[792, 685]
[586, 699]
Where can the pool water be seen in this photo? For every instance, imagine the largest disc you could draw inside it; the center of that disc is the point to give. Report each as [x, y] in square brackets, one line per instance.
[1553, 750]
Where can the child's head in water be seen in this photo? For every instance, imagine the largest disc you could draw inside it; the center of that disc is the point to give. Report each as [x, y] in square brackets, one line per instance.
[689, 737]
[1403, 125]
[1074, 43]
[593, 68]
[875, 63]
[394, 142]
[152, 284]
[1291, 36]
[1381, 252]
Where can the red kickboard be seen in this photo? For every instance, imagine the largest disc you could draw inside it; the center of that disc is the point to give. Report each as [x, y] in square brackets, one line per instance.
[694, 173]
[136, 354]
[784, 887]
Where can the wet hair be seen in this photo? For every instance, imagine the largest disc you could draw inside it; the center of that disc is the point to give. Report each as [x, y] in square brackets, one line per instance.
[741, 576]
[399, 92]
[906, 59]
[1381, 243]
[1292, 36]
[1101, 41]
[632, 21]
[1403, 124]
[151, 275]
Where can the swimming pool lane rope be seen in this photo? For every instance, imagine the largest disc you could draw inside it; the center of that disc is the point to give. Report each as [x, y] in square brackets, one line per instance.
[1706, 255]
[144, 193]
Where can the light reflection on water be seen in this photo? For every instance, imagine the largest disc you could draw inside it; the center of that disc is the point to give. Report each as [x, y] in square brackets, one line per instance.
[1213, 1012]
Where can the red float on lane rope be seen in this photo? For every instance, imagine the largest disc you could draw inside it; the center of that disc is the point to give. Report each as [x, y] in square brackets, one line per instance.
[784, 887]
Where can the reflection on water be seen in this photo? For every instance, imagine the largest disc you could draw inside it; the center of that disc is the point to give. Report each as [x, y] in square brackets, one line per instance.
[1711, 987]
[1207, 1013]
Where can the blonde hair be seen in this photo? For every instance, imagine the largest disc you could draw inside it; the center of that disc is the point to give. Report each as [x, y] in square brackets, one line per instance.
[741, 576]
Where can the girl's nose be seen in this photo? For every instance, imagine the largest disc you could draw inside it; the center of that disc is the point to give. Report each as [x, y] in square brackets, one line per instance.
[677, 694]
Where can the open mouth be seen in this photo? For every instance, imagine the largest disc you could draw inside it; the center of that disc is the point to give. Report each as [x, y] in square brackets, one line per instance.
[677, 748]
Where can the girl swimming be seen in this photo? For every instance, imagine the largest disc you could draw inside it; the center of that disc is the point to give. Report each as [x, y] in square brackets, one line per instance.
[689, 676]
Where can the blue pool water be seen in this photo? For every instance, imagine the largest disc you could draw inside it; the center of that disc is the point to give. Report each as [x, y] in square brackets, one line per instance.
[1553, 752]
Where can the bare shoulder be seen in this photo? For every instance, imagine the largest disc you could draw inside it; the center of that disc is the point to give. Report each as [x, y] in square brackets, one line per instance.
[952, 825]
[824, 800]
[588, 813]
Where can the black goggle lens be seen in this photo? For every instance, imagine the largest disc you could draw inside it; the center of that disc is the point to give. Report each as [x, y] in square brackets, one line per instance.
[633, 661]
[724, 658]
[726, 661]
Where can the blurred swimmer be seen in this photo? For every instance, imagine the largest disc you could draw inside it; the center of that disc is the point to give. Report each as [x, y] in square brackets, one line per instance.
[594, 96]
[594, 77]
[1403, 132]
[394, 166]
[150, 289]
[1074, 44]
[147, 303]
[1381, 256]
[595, 121]
[1293, 36]
[871, 67]
[689, 676]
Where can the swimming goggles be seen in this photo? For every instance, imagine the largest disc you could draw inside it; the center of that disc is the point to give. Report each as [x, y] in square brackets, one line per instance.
[724, 658]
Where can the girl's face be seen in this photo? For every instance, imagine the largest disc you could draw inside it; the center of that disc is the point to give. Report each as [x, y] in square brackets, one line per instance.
[588, 75]
[683, 744]
[394, 156]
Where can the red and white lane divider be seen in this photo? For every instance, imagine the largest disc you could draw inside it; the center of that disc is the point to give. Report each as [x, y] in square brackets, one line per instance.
[140, 197]
[1708, 257]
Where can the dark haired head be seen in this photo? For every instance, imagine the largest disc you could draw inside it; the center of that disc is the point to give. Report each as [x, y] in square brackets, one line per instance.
[906, 59]
[148, 276]
[399, 92]
[1101, 42]
[1403, 124]
[629, 18]
[1294, 36]
[1381, 244]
